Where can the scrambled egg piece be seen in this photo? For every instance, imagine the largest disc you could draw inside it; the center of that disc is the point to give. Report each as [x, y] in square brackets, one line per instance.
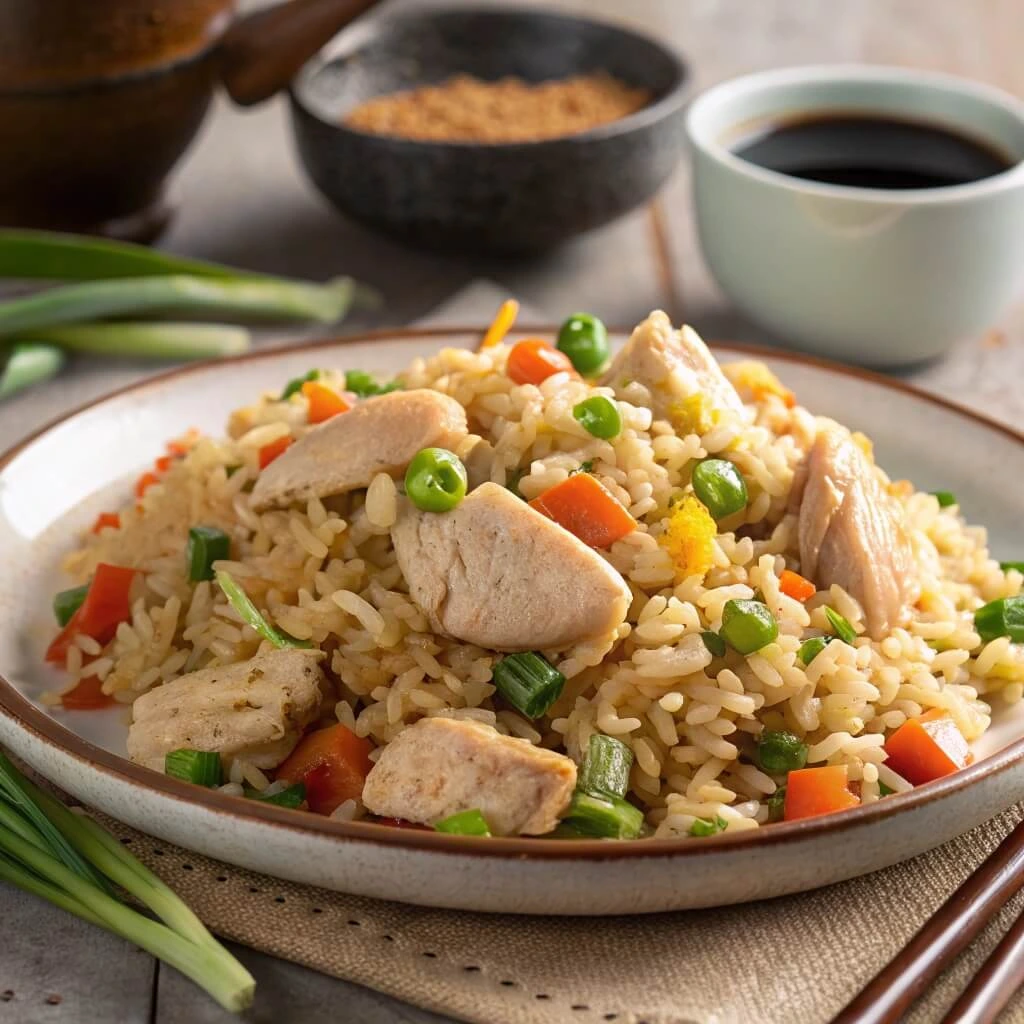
[758, 381]
[692, 415]
[689, 537]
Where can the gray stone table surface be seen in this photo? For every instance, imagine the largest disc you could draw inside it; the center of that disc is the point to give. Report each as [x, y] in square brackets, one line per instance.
[243, 199]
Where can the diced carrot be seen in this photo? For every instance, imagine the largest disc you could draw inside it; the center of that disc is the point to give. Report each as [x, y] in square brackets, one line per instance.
[333, 763]
[269, 452]
[813, 791]
[793, 585]
[144, 483]
[927, 748]
[164, 463]
[534, 360]
[107, 604]
[500, 325]
[105, 519]
[324, 403]
[87, 695]
[584, 507]
[184, 444]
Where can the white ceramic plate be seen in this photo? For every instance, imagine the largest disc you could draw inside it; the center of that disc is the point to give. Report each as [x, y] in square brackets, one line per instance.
[58, 480]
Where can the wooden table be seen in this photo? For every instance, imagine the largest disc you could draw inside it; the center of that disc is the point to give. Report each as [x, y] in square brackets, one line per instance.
[244, 200]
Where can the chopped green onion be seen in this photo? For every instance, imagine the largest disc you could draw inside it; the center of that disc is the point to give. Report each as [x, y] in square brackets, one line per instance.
[1016, 566]
[67, 602]
[436, 480]
[599, 417]
[206, 545]
[842, 626]
[945, 498]
[605, 817]
[95, 300]
[294, 386]
[202, 767]
[35, 829]
[605, 769]
[720, 487]
[884, 790]
[779, 753]
[466, 823]
[291, 797]
[704, 827]
[747, 626]
[250, 615]
[777, 804]
[148, 340]
[1003, 617]
[565, 831]
[584, 339]
[363, 384]
[811, 648]
[529, 682]
[714, 643]
[586, 466]
[29, 363]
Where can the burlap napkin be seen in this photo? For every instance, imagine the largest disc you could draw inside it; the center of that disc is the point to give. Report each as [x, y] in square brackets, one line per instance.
[795, 960]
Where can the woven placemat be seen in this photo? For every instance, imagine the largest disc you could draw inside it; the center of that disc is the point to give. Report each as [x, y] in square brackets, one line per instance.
[794, 960]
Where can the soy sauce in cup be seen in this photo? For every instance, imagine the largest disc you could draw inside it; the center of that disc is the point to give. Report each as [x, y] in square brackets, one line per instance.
[868, 151]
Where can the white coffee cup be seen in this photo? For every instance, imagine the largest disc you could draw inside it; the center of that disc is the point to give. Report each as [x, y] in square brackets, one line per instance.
[877, 276]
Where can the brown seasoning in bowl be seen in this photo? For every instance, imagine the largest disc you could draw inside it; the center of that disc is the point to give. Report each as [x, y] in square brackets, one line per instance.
[467, 109]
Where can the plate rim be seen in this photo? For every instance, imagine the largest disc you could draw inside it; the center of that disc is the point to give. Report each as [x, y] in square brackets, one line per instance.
[47, 730]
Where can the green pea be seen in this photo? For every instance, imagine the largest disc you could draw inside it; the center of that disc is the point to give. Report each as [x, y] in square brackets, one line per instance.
[435, 480]
[780, 752]
[747, 626]
[598, 416]
[584, 339]
[720, 486]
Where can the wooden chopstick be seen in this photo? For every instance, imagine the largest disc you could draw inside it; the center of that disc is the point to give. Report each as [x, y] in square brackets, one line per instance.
[951, 929]
[993, 986]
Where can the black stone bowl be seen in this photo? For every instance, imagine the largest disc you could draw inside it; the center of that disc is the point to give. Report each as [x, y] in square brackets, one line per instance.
[481, 197]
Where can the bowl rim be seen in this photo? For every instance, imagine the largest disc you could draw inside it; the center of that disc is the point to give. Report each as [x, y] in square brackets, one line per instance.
[705, 140]
[364, 34]
[27, 717]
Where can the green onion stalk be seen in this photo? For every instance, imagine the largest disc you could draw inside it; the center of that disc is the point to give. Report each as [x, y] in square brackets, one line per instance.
[190, 296]
[35, 857]
[27, 363]
[148, 340]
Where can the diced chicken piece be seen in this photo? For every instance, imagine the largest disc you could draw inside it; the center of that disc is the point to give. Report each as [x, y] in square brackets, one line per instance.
[852, 532]
[494, 572]
[254, 709]
[673, 366]
[380, 435]
[441, 766]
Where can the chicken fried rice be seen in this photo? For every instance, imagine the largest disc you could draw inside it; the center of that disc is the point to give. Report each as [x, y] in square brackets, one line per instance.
[533, 590]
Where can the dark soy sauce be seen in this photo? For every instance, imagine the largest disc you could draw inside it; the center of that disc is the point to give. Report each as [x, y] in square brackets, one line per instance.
[866, 151]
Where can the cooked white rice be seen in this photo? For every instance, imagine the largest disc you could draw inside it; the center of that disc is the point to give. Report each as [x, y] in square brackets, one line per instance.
[328, 573]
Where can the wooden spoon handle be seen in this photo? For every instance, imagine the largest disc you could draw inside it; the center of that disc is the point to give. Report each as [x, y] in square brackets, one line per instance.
[262, 53]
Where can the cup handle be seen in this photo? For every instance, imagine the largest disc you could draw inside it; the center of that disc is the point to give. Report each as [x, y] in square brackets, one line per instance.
[261, 53]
